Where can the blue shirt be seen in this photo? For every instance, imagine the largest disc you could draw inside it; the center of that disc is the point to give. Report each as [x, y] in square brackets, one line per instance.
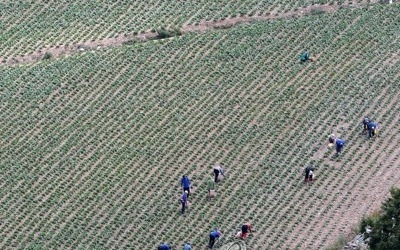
[340, 143]
[184, 197]
[185, 182]
[164, 247]
[187, 247]
[372, 125]
[215, 234]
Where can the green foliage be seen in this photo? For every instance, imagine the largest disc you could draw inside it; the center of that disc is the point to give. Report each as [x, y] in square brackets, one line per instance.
[163, 32]
[93, 145]
[385, 234]
[48, 55]
[317, 11]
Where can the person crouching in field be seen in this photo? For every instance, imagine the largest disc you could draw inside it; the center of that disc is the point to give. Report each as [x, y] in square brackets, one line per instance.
[332, 138]
[164, 246]
[339, 145]
[187, 246]
[365, 122]
[372, 129]
[213, 236]
[217, 172]
[185, 184]
[184, 201]
[211, 188]
[246, 228]
[308, 174]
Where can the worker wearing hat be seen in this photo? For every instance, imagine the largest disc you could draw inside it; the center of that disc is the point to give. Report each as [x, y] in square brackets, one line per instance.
[184, 201]
[187, 246]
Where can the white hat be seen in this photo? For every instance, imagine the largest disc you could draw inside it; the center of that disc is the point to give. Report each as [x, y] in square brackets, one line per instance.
[186, 191]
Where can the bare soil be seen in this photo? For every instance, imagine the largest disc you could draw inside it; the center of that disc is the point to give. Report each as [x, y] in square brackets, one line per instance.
[67, 50]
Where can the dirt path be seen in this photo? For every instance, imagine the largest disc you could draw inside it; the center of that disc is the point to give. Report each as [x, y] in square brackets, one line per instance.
[66, 50]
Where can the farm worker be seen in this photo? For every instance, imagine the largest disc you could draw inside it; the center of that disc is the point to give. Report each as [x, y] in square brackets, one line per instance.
[372, 129]
[365, 122]
[185, 183]
[305, 56]
[164, 246]
[308, 173]
[210, 187]
[184, 201]
[246, 228]
[187, 246]
[332, 138]
[214, 235]
[217, 171]
[339, 145]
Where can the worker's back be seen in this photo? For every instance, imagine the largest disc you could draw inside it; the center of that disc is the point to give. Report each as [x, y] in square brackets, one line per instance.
[187, 247]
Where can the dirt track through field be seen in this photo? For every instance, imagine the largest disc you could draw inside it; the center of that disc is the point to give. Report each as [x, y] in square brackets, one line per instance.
[81, 47]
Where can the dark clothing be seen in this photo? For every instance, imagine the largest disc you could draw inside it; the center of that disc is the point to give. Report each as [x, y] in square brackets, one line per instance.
[305, 56]
[371, 133]
[307, 171]
[183, 202]
[183, 206]
[185, 182]
[216, 173]
[310, 176]
[331, 140]
[365, 123]
[339, 145]
[164, 247]
[187, 189]
[245, 229]
[371, 128]
[212, 241]
[214, 235]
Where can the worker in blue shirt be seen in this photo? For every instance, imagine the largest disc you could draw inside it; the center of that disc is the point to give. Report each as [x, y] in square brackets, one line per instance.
[365, 122]
[164, 246]
[187, 246]
[213, 236]
[185, 184]
[372, 129]
[339, 145]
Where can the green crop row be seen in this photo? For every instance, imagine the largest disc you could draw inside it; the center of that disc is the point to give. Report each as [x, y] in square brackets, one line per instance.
[93, 145]
[29, 26]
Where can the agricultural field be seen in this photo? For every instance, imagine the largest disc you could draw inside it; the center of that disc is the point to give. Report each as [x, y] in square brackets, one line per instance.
[31, 26]
[93, 145]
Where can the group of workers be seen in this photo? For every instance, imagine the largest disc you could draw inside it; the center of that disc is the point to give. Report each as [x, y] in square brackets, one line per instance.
[185, 184]
[216, 234]
[339, 143]
[369, 126]
[165, 246]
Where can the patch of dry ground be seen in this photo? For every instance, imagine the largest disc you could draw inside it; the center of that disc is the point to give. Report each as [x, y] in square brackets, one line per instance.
[67, 50]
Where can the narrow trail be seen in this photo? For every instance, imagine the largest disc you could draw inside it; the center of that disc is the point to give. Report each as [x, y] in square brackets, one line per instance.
[81, 47]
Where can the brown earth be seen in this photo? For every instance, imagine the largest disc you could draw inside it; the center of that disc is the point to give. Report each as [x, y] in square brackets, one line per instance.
[80, 47]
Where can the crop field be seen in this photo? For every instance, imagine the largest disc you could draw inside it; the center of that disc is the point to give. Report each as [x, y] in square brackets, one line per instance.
[29, 26]
[93, 145]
